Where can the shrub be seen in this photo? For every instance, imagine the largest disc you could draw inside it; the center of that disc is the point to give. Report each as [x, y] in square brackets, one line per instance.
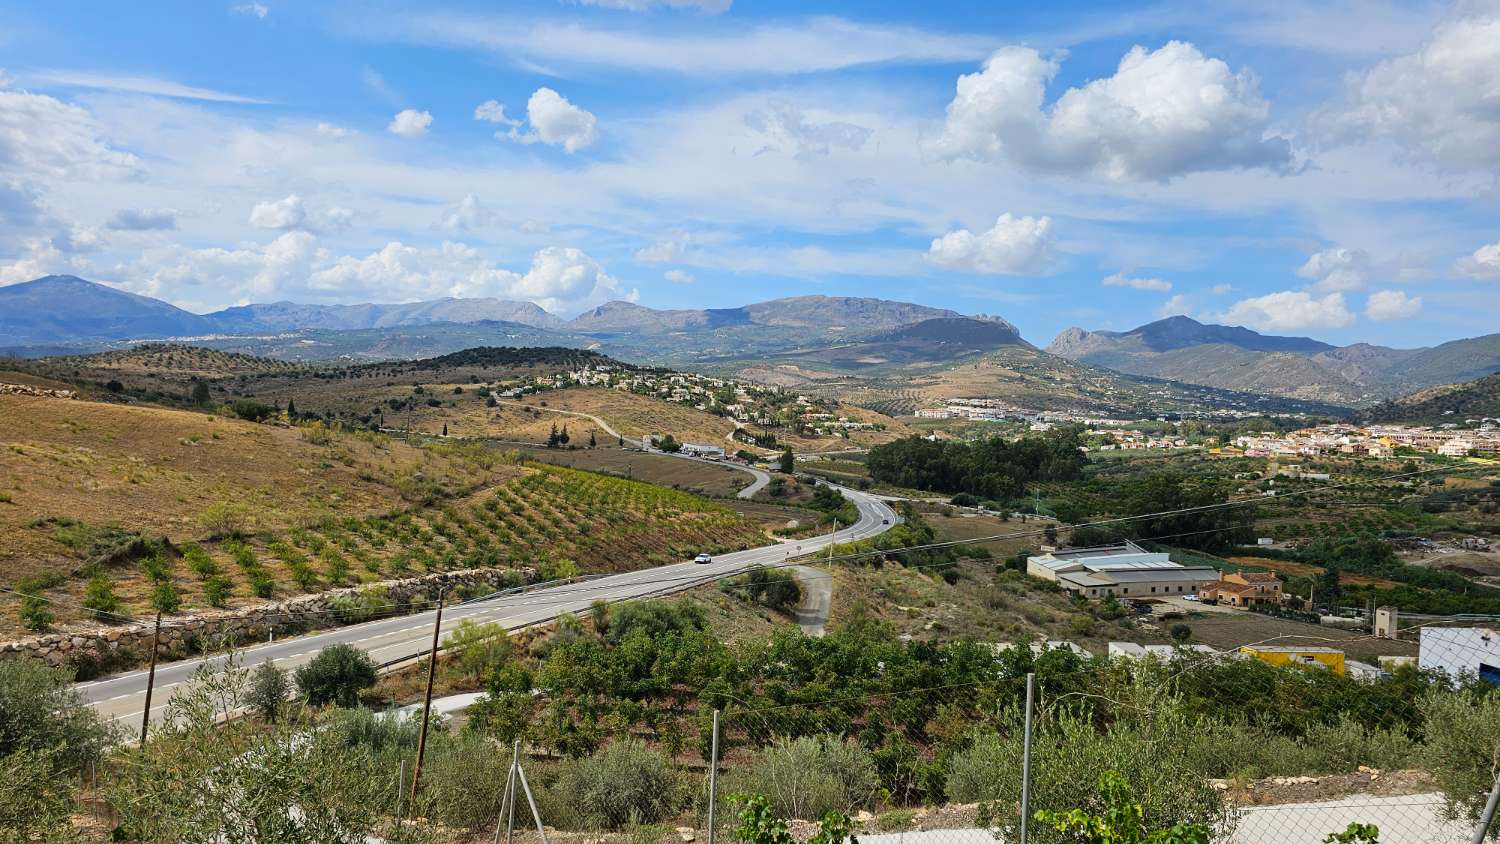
[40, 711]
[165, 597]
[99, 596]
[268, 690]
[625, 783]
[964, 499]
[35, 610]
[1069, 751]
[454, 766]
[478, 648]
[225, 519]
[198, 560]
[336, 675]
[217, 589]
[1463, 742]
[808, 777]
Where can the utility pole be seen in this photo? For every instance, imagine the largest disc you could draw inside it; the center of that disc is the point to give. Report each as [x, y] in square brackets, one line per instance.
[832, 539]
[1026, 760]
[416, 771]
[150, 680]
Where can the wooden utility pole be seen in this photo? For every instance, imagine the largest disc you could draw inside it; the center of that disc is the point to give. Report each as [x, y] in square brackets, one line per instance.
[416, 771]
[150, 679]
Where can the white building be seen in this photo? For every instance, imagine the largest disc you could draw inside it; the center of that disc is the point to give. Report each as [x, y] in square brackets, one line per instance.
[1127, 571]
[1461, 650]
[711, 452]
[1131, 650]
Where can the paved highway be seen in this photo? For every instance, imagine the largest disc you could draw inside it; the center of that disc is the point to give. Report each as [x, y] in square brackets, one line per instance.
[123, 696]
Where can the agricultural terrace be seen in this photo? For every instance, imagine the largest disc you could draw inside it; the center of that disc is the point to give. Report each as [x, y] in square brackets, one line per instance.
[236, 513]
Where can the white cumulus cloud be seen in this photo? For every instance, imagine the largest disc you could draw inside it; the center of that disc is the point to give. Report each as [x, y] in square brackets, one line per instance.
[1163, 113]
[410, 123]
[1439, 103]
[554, 121]
[44, 137]
[560, 278]
[1014, 246]
[285, 213]
[1121, 280]
[678, 276]
[1385, 305]
[331, 130]
[1289, 310]
[1337, 269]
[253, 10]
[1484, 263]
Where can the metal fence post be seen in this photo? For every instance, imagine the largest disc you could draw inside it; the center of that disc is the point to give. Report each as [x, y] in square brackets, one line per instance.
[510, 797]
[1026, 760]
[713, 778]
[515, 766]
[1489, 813]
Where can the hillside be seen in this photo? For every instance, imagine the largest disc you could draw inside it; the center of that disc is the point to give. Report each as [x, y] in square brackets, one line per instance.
[1449, 403]
[1236, 358]
[63, 307]
[1449, 363]
[1230, 367]
[88, 487]
[1020, 375]
[281, 316]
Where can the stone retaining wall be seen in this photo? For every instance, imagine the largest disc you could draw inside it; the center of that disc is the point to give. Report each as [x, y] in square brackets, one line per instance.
[96, 650]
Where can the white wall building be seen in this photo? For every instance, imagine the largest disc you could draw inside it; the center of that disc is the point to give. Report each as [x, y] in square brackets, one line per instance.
[1461, 650]
[1126, 571]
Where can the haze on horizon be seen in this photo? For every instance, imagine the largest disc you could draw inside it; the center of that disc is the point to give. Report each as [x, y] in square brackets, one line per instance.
[1327, 171]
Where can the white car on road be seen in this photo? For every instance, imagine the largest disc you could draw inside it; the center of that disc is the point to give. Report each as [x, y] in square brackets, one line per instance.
[702, 559]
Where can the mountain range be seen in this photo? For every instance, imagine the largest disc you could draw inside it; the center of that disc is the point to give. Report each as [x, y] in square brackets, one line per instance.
[804, 337]
[1179, 348]
[59, 308]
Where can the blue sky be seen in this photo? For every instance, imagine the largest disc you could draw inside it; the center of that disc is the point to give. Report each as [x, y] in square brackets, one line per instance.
[1324, 169]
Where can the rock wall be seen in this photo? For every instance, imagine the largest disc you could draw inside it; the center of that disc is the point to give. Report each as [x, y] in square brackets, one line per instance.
[97, 650]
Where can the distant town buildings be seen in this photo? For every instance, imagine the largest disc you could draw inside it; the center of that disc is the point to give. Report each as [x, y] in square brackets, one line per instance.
[1374, 441]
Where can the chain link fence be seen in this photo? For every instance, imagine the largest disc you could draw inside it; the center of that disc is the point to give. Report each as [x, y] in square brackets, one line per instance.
[1272, 743]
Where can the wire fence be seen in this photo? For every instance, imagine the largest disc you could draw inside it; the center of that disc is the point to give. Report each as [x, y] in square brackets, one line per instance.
[1279, 742]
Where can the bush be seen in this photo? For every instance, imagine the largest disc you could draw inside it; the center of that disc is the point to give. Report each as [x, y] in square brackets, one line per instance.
[217, 589]
[1463, 742]
[36, 611]
[336, 675]
[166, 598]
[456, 766]
[99, 596]
[268, 690]
[36, 799]
[1069, 751]
[478, 648]
[225, 519]
[251, 411]
[964, 499]
[625, 783]
[40, 711]
[808, 777]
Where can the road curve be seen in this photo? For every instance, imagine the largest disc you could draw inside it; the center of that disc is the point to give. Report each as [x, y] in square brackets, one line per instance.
[123, 696]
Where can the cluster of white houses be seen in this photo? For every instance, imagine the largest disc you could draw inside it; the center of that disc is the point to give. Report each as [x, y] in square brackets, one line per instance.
[1377, 441]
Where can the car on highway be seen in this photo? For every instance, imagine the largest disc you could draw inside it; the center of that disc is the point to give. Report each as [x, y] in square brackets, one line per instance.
[703, 558]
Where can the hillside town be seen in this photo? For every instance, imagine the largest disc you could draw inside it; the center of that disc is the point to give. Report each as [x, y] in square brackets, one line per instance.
[744, 402]
[1375, 441]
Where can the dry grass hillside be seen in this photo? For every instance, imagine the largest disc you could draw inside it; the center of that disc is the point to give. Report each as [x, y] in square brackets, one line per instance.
[88, 487]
